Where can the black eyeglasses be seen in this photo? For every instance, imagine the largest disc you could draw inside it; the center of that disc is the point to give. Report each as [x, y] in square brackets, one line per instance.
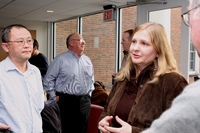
[186, 16]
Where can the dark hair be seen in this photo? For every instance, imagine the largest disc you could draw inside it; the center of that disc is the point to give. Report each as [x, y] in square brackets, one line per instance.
[35, 43]
[130, 32]
[68, 39]
[6, 31]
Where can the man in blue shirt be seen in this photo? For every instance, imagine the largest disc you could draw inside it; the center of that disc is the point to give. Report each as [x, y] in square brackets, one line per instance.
[71, 77]
[21, 91]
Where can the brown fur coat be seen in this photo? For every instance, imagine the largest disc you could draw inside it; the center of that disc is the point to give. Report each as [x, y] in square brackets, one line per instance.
[151, 100]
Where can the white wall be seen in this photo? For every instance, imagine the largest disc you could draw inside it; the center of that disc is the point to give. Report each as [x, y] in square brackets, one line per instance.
[162, 17]
[40, 27]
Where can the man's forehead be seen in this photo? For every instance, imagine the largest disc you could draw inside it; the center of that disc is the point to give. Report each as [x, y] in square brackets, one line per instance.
[20, 32]
[77, 36]
[19, 29]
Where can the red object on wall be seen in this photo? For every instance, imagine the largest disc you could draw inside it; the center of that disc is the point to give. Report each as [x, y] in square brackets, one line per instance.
[108, 15]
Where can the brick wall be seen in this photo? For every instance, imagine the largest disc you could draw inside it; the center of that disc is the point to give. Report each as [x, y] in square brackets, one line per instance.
[176, 33]
[63, 30]
[103, 57]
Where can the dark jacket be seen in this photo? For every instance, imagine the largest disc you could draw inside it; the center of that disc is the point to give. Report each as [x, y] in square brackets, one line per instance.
[151, 99]
[41, 62]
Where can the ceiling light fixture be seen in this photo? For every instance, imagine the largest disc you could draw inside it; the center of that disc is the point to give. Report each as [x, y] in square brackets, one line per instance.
[50, 11]
[142, 2]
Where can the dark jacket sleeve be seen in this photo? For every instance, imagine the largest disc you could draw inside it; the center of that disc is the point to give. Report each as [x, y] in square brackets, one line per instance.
[173, 84]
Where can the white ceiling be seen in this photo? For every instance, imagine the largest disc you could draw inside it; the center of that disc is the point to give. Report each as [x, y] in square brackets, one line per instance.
[63, 9]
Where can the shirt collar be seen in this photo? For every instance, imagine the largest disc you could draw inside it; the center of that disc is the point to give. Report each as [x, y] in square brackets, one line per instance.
[75, 54]
[10, 66]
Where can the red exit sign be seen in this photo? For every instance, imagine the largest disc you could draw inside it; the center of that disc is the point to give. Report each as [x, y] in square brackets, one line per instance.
[108, 15]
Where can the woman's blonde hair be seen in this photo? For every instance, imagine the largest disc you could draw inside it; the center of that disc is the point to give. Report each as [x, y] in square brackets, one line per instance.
[164, 63]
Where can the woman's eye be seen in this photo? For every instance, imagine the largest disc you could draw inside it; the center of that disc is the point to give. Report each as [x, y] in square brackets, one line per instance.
[133, 41]
[144, 43]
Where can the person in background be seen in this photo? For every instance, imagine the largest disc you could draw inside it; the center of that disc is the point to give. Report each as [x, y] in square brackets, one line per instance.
[183, 116]
[147, 84]
[21, 91]
[71, 76]
[38, 59]
[126, 42]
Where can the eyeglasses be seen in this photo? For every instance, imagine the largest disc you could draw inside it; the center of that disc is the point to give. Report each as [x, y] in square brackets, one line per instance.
[186, 16]
[81, 40]
[22, 42]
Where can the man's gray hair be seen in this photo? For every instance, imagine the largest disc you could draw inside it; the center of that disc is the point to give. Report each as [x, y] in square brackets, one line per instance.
[193, 4]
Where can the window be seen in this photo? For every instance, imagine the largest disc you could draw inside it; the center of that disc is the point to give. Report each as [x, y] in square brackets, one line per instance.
[194, 61]
[192, 57]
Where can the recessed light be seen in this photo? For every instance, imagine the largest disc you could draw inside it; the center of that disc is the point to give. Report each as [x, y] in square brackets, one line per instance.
[50, 11]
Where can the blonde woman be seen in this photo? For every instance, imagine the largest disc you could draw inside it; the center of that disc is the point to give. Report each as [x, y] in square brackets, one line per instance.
[183, 116]
[146, 86]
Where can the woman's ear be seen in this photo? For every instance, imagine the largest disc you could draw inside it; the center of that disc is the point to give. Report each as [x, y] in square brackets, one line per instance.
[157, 55]
[5, 46]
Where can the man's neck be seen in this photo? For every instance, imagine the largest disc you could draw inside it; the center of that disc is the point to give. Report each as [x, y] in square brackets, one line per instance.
[36, 52]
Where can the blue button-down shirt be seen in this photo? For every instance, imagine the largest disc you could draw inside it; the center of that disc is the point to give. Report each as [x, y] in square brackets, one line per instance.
[21, 98]
[70, 74]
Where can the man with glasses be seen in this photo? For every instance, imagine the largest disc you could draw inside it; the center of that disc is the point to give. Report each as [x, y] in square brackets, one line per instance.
[71, 77]
[184, 114]
[21, 91]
